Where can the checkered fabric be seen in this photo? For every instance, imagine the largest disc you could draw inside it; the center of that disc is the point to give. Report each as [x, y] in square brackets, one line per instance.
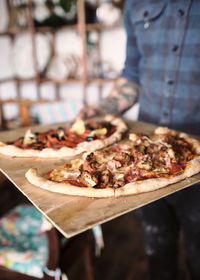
[163, 57]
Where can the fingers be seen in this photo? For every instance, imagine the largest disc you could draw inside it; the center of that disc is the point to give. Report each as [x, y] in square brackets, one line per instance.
[80, 115]
[85, 113]
[89, 112]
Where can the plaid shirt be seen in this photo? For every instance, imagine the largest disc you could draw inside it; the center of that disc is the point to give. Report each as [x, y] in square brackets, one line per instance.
[163, 57]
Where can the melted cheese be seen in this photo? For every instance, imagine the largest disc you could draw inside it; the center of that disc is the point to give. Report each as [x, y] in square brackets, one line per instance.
[89, 181]
[60, 174]
[119, 176]
[103, 158]
[78, 127]
[157, 142]
[61, 133]
[98, 132]
[29, 138]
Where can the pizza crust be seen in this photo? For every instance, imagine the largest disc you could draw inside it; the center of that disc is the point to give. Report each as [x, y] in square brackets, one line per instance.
[13, 151]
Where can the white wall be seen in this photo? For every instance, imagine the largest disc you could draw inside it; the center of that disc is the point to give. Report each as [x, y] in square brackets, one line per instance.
[112, 49]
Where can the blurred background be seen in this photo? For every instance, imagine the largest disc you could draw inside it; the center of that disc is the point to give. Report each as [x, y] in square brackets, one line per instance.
[67, 53]
[55, 57]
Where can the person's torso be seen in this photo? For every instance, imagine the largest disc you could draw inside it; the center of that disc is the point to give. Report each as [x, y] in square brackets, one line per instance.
[168, 39]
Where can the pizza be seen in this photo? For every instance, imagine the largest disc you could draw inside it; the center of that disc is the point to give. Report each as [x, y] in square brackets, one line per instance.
[139, 164]
[72, 140]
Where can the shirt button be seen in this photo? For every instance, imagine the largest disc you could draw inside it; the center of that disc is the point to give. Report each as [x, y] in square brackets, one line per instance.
[181, 12]
[146, 25]
[165, 114]
[170, 82]
[175, 48]
[146, 13]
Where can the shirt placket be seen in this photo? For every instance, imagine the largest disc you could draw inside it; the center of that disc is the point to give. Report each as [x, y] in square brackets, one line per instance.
[173, 62]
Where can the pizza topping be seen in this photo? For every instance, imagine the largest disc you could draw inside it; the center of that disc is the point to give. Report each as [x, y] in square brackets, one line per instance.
[118, 148]
[90, 164]
[124, 158]
[118, 180]
[140, 158]
[145, 163]
[90, 180]
[90, 138]
[29, 138]
[113, 164]
[98, 132]
[75, 183]
[79, 134]
[97, 179]
[106, 177]
[104, 157]
[176, 168]
[78, 127]
[60, 134]
[134, 137]
[61, 174]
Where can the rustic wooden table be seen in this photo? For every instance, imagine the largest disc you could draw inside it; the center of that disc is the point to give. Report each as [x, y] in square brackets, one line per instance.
[72, 215]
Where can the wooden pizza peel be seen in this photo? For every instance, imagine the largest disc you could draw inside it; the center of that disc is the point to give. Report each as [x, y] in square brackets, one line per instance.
[72, 215]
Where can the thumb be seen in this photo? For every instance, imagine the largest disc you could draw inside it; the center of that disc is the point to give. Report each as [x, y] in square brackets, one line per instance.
[80, 116]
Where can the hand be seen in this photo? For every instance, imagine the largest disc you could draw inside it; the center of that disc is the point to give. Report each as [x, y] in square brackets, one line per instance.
[89, 112]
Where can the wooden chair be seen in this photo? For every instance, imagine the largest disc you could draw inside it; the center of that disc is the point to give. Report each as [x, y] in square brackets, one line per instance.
[75, 249]
[52, 264]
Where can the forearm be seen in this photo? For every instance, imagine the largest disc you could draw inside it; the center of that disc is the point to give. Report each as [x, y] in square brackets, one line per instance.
[123, 96]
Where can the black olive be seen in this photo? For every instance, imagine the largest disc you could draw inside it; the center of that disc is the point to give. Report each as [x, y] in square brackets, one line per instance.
[107, 125]
[60, 127]
[63, 138]
[54, 135]
[132, 158]
[90, 127]
[89, 157]
[37, 133]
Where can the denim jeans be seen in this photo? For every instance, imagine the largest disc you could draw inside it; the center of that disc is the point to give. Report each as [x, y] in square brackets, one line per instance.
[162, 221]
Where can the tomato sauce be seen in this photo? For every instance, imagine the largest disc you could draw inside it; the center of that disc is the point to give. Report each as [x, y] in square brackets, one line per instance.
[70, 139]
[75, 182]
